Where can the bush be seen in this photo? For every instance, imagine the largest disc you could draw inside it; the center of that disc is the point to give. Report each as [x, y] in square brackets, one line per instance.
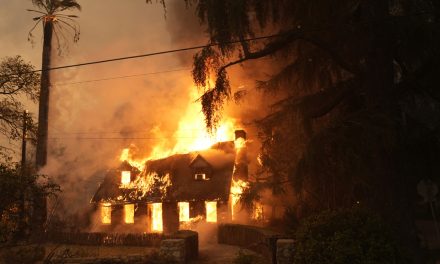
[22, 254]
[354, 236]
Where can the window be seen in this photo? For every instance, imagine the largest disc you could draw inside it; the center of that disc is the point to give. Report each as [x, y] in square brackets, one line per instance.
[183, 211]
[201, 177]
[211, 211]
[129, 213]
[106, 214]
[125, 177]
[156, 217]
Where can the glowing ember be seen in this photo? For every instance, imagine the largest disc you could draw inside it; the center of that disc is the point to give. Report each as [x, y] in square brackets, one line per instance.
[156, 217]
[125, 177]
[237, 188]
[106, 213]
[211, 212]
[129, 213]
[183, 211]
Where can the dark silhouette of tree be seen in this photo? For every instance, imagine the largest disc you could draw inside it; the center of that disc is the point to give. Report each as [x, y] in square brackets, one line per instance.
[17, 80]
[359, 122]
[55, 26]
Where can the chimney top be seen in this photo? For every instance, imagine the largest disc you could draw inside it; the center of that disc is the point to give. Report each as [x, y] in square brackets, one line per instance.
[240, 134]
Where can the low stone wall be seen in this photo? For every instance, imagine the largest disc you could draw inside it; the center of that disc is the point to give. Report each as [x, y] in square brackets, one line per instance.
[181, 246]
[130, 259]
[191, 239]
[173, 250]
[258, 239]
[147, 240]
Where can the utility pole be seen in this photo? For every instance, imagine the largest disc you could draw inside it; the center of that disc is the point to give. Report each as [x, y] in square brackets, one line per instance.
[23, 141]
[23, 184]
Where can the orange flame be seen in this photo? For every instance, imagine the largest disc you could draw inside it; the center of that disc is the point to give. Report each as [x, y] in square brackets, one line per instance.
[237, 188]
[191, 135]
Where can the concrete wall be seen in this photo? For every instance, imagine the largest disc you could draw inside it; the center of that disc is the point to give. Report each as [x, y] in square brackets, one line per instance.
[258, 239]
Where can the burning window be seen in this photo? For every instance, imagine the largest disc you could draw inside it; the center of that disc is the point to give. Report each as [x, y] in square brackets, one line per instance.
[211, 211]
[129, 213]
[125, 177]
[156, 217]
[183, 211]
[201, 177]
[106, 214]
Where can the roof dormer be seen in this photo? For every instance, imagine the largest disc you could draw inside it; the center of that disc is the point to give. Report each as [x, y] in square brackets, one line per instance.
[202, 169]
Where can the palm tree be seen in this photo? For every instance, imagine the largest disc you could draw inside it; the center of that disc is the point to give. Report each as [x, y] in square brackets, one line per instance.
[55, 24]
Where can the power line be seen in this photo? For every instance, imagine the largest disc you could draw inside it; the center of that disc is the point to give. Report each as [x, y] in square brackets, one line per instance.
[153, 54]
[121, 77]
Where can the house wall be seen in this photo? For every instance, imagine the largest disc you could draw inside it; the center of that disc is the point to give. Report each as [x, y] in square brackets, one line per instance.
[170, 216]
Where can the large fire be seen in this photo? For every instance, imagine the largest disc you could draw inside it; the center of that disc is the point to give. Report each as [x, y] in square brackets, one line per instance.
[191, 135]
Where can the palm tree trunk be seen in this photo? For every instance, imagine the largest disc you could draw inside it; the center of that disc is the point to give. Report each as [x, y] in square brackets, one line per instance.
[40, 202]
[43, 113]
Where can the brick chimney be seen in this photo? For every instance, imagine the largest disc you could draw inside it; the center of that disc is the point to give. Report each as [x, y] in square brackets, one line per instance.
[240, 134]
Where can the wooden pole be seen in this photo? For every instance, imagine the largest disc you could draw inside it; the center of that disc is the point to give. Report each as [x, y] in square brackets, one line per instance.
[22, 195]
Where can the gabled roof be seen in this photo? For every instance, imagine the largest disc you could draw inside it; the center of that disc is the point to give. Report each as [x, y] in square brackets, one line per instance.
[183, 186]
[199, 162]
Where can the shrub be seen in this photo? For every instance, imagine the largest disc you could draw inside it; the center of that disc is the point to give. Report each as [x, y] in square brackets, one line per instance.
[354, 236]
[23, 254]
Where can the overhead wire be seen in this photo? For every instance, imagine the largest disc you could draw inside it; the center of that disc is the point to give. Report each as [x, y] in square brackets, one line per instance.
[121, 77]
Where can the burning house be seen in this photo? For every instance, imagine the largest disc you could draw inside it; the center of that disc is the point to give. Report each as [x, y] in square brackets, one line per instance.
[167, 194]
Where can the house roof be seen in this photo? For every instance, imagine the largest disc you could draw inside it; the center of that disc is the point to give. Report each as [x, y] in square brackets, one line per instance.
[183, 186]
